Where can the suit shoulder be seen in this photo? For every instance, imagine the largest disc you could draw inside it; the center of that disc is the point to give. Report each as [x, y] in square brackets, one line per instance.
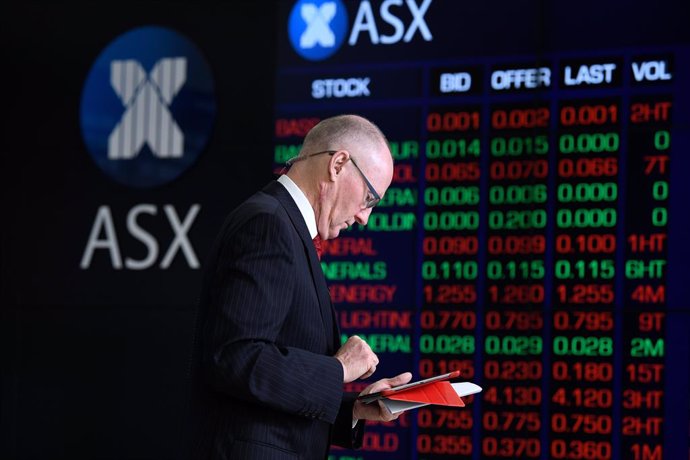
[260, 208]
[259, 203]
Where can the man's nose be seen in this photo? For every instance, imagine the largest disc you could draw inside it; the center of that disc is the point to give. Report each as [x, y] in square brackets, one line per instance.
[362, 217]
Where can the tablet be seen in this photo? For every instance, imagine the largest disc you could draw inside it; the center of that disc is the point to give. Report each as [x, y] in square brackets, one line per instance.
[371, 397]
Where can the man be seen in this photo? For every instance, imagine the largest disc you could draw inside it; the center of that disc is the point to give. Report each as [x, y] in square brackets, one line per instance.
[271, 366]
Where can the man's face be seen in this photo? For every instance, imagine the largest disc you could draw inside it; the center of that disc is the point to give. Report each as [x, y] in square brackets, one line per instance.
[345, 204]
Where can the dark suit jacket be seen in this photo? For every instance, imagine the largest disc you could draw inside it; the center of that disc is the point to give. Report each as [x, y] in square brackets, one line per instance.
[265, 383]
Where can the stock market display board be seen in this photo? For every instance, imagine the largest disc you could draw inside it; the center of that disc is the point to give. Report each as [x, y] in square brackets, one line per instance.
[535, 234]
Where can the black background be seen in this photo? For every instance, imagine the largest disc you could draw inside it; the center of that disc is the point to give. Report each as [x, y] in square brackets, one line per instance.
[94, 361]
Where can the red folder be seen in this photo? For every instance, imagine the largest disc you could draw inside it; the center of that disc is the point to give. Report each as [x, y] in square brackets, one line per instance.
[408, 387]
[435, 390]
[441, 393]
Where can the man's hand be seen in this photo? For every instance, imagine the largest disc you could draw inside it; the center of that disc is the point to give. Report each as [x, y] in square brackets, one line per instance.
[377, 410]
[357, 358]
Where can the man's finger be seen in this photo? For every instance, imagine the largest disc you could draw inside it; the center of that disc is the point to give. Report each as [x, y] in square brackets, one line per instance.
[369, 373]
[385, 414]
[400, 379]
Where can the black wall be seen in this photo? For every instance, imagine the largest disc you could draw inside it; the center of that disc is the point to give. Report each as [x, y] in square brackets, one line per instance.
[94, 361]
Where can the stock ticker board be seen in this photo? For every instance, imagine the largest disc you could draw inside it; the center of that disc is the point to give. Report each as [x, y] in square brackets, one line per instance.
[534, 236]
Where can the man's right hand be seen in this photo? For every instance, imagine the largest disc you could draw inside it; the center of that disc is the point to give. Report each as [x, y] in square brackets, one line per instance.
[357, 358]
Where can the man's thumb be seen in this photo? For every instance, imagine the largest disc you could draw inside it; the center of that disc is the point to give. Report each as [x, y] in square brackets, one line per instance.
[400, 379]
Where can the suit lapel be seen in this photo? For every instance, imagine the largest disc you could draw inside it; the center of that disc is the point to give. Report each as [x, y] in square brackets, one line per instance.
[276, 190]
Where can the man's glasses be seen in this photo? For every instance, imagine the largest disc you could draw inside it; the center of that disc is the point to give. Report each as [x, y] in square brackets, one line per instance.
[372, 199]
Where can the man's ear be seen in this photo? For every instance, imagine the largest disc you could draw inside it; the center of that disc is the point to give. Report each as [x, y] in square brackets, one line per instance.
[337, 163]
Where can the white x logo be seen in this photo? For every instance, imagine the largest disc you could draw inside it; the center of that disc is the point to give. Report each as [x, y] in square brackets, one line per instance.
[147, 118]
[317, 20]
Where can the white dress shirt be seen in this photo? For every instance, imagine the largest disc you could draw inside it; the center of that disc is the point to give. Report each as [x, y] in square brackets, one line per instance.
[302, 203]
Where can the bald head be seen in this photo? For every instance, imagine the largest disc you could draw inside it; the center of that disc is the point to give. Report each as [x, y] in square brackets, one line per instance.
[344, 165]
[355, 134]
[344, 132]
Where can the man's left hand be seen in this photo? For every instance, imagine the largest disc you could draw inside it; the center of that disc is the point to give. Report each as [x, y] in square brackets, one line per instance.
[377, 410]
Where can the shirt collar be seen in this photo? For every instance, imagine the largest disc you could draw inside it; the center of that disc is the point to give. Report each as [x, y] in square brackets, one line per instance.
[302, 203]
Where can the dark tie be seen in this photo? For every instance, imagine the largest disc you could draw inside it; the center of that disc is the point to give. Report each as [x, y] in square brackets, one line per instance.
[318, 245]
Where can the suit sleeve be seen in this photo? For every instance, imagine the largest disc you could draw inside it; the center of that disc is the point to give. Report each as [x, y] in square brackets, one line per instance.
[344, 434]
[250, 298]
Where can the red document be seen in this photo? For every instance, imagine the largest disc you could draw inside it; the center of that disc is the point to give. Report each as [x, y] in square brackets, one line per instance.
[435, 390]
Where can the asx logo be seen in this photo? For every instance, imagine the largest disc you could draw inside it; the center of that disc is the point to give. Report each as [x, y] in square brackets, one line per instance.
[147, 99]
[318, 28]
[147, 107]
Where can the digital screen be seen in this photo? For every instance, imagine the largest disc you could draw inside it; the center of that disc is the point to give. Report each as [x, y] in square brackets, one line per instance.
[535, 234]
